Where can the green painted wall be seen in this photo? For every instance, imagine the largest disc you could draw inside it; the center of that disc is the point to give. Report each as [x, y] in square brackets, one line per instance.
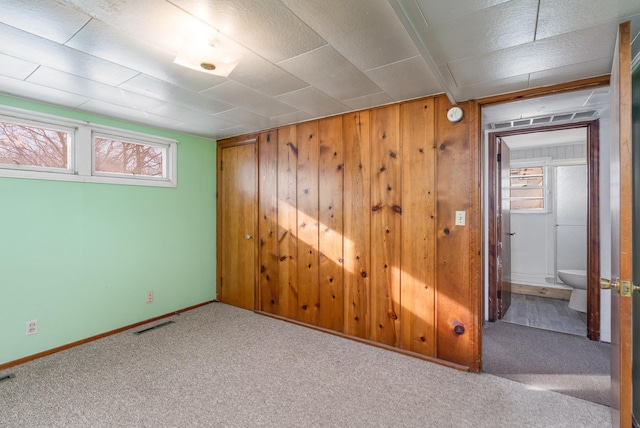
[80, 257]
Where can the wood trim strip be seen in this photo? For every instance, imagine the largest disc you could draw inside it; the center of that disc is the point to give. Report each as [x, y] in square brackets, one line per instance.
[476, 267]
[592, 82]
[98, 336]
[369, 342]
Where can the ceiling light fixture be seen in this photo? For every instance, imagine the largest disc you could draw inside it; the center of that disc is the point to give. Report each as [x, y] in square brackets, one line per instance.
[209, 55]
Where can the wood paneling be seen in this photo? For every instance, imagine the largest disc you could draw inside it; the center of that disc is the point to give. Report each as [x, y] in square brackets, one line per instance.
[357, 224]
[287, 223]
[308, 225]
[386, 211]
[417, 317]
[330, 242]
[366, 242]
[268, 222]
[453, 192]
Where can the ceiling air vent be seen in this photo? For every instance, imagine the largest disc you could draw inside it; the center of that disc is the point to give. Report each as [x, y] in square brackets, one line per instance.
[564, 117]
[544, 119]
[561, 117]
[524, 122]
[502, 125]
[584, 114]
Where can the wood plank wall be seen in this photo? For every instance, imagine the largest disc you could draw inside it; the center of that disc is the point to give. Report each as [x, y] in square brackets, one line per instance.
[357, 231]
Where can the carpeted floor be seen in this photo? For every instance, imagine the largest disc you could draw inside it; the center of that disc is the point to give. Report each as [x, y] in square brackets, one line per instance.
[222, 366]
[548, 360]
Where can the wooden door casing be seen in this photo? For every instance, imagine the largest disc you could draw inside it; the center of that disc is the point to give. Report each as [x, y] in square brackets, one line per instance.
[237, 198]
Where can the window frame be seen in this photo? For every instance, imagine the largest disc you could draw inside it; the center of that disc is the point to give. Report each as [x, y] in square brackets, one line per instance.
[543, 163]
[29, 122]
[81, 151]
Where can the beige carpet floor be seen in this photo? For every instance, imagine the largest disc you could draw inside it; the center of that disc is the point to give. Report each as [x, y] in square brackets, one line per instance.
[221, 366]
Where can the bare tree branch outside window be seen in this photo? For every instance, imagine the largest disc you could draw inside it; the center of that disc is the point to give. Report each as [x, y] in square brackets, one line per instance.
[33, 146]
[121, 157]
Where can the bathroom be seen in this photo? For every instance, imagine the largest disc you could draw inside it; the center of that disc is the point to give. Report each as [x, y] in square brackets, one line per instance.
[549, 205]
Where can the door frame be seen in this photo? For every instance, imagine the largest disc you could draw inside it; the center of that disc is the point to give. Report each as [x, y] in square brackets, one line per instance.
[593, 217]
[223, 144]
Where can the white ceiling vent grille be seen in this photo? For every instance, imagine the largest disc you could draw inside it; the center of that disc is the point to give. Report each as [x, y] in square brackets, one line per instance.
[564, 117]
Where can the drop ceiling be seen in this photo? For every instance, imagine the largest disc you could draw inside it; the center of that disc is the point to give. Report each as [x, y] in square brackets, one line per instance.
[301, 59]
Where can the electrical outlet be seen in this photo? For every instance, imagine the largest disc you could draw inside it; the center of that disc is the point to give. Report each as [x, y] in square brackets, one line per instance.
[461, 218]
[149, 296]
[32, 327]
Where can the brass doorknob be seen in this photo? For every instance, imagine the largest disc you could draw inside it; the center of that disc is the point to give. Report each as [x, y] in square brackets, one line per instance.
[606, 284]
[625, 288]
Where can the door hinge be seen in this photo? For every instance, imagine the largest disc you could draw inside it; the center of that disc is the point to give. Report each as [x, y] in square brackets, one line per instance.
[499, 159]
[220, 165]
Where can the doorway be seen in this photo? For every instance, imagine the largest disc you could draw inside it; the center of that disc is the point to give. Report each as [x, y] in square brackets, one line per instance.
[237, 201]
[543, 245]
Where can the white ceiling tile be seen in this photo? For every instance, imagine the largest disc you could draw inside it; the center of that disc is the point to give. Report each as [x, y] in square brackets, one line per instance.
[246, 118]
[45, 18]
[157, 22]
[106, 42]
[164, 91]
[559, 17]
[505, 25]
[442, 10]
[15, 67]
[290, 118]
[32, 48]
[267, 27]
[198, 130]
[195, 118]
[34, 92]
[312, 101]
[495, 87]
[327, 70]
[239, 95]
[78, 85]
[127, 114]
[368, 101]
[259, 74]
[597, 67]
[232, 132]
[407, 79]
[559, 51]
[381, 37]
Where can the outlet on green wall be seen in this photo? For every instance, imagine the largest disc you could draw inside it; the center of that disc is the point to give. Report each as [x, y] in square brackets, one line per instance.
[80, 257]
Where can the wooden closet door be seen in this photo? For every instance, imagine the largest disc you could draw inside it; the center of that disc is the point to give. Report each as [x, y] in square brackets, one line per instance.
[237, 199]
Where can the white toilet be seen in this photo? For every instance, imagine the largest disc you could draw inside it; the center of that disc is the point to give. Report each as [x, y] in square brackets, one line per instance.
[578, 280]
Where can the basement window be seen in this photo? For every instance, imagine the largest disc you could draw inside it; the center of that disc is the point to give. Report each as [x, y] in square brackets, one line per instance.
[117, 156]
[528, 189]
[42, 146]
[35, 146]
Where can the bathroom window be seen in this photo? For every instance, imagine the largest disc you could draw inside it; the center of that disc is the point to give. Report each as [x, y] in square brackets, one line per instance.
[528, 187]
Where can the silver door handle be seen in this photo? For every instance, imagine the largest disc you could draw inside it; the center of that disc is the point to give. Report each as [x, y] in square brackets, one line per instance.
[249, 236]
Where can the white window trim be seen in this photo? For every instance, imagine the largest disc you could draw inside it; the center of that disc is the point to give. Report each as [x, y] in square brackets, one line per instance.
[81, 151]
[546, 180]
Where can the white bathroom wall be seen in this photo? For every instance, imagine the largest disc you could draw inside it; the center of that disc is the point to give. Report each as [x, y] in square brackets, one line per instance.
[532, 248]
[571, 216]
[605, 229]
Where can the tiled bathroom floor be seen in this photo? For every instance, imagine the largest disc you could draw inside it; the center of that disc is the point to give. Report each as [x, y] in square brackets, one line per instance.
[546, 313]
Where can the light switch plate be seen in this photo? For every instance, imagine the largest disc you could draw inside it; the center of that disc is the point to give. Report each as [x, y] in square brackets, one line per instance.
[461, 218]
